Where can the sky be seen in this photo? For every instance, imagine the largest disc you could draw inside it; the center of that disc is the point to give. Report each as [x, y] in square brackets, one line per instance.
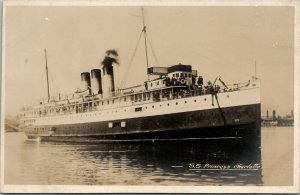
[225, 41]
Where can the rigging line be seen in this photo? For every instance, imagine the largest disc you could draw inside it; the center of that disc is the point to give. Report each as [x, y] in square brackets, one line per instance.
[152, 50]
[124, 80]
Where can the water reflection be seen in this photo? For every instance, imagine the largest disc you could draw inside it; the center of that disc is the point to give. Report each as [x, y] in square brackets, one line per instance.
[150, 163]
[180, 160]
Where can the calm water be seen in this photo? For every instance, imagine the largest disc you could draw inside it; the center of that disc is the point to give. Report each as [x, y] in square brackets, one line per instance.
[158, 163]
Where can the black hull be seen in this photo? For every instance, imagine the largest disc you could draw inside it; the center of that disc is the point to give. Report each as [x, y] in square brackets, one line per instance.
[240, 122]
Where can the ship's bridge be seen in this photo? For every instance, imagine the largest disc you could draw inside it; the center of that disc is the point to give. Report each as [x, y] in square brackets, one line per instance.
[176, 75]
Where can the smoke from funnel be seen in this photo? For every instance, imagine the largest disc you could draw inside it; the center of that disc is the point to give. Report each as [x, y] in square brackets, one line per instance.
[109, 59]
[108, 71]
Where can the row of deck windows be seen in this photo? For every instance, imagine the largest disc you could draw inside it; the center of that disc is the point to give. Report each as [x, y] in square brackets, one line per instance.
[137, 109]
[182, 75]
[157, 83]
[135, 98]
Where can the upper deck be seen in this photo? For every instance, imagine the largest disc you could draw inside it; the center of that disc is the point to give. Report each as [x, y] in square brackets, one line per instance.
[165, 90]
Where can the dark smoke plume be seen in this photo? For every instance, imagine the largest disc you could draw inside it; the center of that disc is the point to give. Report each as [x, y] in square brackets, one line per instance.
[110, 58]
[113, 52]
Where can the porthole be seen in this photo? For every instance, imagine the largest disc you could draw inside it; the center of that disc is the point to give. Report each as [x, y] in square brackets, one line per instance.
[185, 101]
[160, 105]
[195, 100]
[227, 96]
[204, 99]
[152, 106]
[168, 104]
[176, 103]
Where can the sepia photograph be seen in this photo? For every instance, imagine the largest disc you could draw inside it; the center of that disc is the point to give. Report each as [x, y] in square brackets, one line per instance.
[138, 97]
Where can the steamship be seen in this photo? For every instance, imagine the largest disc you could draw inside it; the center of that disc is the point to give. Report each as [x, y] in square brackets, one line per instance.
[174, 103]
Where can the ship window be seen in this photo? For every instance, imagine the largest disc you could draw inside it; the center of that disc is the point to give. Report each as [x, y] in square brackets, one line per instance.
[195, 100]
[140, 97]
[102, 103]
[190, 75]
[204, 99]
[107, 101]
[176, 103]
[144, 96]
[124, 99]
[132, 98]
[185, 101]
[116, 124]
[157, 83]
[123, 124]
[148, 96]
[110, 125]
[168, 104]
[185, 75]
[152, 106]
[177, 74]
[138, 109]
[150, 84]
[181, 74]
[173, 75]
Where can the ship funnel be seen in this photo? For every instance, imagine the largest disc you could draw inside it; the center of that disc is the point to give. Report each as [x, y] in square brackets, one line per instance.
[86, 82]
[96, 82]
[108, 72]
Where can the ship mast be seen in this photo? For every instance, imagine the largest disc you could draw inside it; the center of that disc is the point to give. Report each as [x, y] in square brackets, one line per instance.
[48, 90]
[145, 41]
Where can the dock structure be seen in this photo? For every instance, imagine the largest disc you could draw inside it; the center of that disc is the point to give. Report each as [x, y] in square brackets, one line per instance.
[276, 120]
[11, 126]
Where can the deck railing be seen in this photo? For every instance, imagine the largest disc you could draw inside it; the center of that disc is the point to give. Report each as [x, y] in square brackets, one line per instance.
[164, 94]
